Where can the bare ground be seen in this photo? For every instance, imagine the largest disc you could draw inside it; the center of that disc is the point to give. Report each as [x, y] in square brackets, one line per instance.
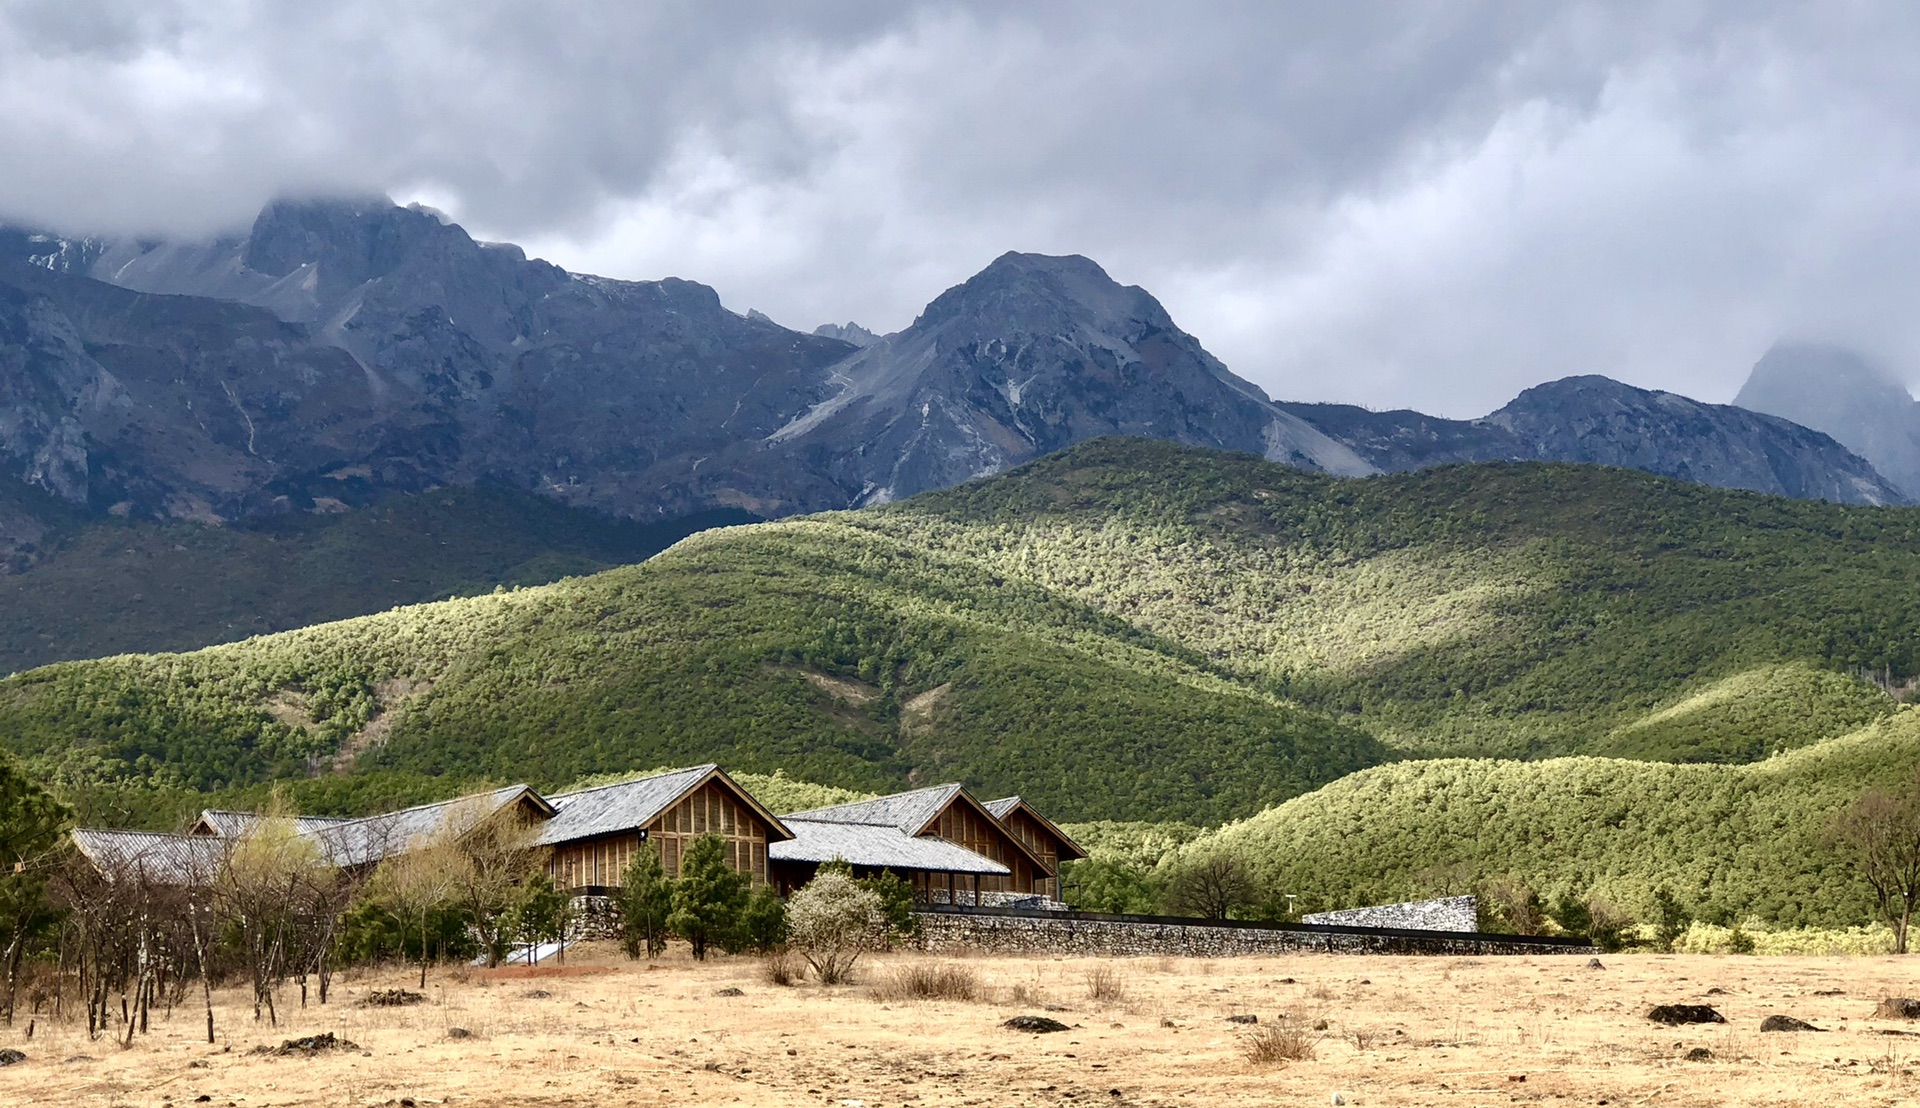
[1398, 1031]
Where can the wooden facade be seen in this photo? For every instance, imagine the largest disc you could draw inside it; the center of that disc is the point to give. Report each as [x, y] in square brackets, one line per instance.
[1046, 842]
[965, 823]
[713, 808]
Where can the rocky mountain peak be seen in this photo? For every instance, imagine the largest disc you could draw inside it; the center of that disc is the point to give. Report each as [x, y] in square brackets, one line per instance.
[1842, 393]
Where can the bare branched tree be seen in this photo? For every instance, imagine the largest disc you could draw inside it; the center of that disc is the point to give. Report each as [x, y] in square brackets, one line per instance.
[266, 890]
[494, 853]
[1214, 887]
[413, 884]
[1880, 833]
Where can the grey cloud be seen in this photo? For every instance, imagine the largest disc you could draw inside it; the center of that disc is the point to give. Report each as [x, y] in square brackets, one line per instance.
[1396, 203]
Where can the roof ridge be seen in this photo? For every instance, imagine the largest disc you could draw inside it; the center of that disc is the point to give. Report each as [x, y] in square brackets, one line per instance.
[703, 768]
[442, 803]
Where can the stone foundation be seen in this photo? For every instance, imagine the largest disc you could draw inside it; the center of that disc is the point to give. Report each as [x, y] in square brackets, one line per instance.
[1079, 933]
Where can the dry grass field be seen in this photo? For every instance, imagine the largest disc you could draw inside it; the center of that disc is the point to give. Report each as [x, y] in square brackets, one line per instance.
[1373, 1030]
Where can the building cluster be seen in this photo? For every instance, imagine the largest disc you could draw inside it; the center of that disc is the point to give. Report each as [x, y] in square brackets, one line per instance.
[951, 847]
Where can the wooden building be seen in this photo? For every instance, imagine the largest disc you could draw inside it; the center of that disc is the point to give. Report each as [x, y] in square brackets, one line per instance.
[951, 847]
[595, 832]
[1050, 844]
[951, 815]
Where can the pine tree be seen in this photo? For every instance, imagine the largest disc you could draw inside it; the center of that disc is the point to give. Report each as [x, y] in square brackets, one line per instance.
[646, 902]
[709, 897]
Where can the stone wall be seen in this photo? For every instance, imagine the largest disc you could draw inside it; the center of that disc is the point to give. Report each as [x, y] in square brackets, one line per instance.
[1054, 933]
[1447, 913]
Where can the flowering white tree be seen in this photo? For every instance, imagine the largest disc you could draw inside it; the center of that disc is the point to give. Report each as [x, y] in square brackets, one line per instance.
[832, 921]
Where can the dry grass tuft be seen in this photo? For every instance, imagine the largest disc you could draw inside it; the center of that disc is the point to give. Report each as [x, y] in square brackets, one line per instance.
[1274, 1045]
[1105, 985]
[1031, 994]
[930, 981]
[783, 969]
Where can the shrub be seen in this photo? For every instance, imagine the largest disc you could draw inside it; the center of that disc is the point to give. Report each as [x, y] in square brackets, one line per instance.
[832, 921]
[1273, 1044]
[782, 968]
[1105, 985]
[1509, 905]
[930, 981]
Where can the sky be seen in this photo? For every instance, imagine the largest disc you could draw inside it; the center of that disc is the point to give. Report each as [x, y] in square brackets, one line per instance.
[1399, 204]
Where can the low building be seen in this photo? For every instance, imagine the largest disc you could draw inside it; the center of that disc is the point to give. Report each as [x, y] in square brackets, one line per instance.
[948, 845]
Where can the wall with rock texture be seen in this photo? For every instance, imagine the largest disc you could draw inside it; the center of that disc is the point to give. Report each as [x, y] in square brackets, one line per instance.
[1054, 933]
[1447, 913]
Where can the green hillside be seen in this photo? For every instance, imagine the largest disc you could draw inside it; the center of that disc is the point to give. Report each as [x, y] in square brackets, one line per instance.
[1126, 630]
[1733, 843]
[105, 587]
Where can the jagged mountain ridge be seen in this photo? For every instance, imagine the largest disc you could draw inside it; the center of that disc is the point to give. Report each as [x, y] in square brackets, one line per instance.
[385, 350]
[1031, 355]
[1600, 421]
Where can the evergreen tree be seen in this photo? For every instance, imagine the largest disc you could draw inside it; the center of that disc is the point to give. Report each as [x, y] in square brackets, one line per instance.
[646, 902]
[540, 914]
[709, 897]
[763, 923]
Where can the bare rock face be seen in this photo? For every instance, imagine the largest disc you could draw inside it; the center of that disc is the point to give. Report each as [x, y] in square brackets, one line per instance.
[1033, 354]
[1841, 393]
[343, 350]
[1598, 421]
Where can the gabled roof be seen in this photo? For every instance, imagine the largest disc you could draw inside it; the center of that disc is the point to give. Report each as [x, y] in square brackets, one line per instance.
[232, 825]
[1007, 805]
[912, 812]
[184, 860]
[368, 839]
[879, 846]
[631, 805]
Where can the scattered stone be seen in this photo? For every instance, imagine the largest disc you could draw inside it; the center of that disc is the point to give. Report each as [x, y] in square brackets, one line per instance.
[202, 1099]
[307, 1046]
[1516, 1077]
[1716, 991]
[1785, 1023]
[1829, 992]
[729, 991]
[391, 998]
[1246, 1018]
[11, 1057]
[1336, 1100]
[1898, 1008]
[459, 1033]
[1674, 1014]
[1699, 1054]
[1037, 1025]
[1320, 1025]
[1595, 963]
[536, 994]
[76, 1059]
[1165, 1022]
[1284, 981]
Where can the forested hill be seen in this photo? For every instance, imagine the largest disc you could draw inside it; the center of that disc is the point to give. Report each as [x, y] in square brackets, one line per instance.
[1125, 629]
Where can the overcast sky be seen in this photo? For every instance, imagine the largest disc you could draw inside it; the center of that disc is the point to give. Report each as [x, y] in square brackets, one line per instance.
[1428, 204]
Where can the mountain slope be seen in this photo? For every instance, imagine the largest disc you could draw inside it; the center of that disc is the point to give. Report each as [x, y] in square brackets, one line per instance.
[1126, 629]
[1733, 843]
[1842, 394]
[1594, 420]
[98, 587]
